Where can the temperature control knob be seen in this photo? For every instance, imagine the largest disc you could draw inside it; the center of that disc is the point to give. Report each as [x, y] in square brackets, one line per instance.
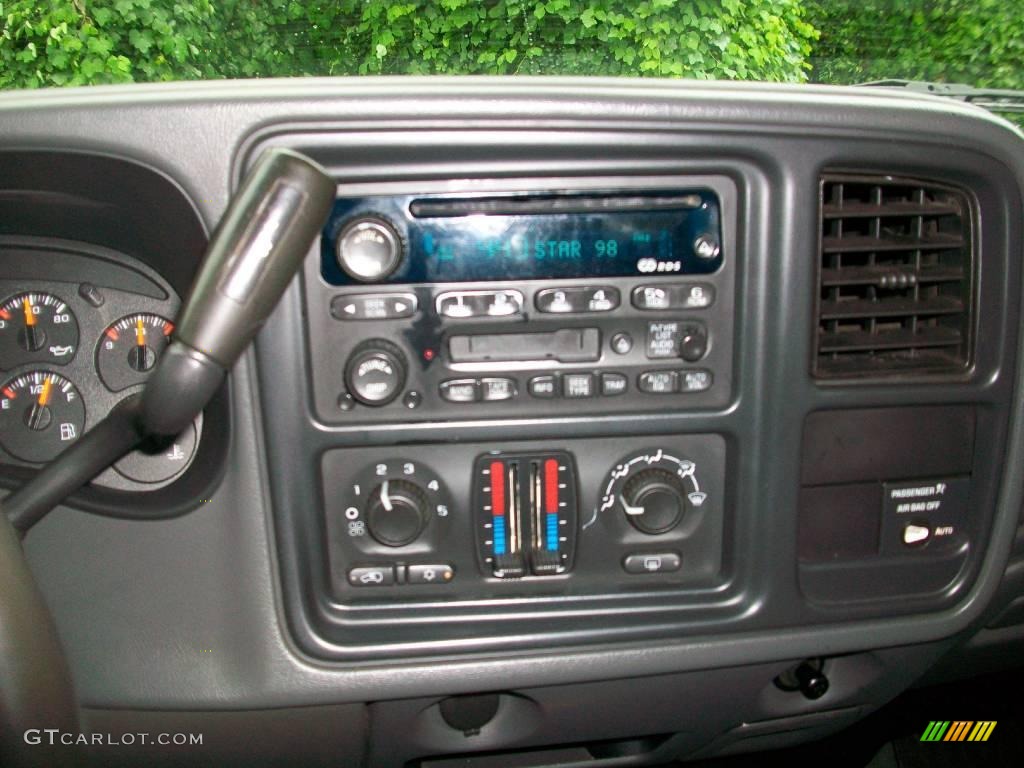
[375, 373]
[396, 513]
[654, 501]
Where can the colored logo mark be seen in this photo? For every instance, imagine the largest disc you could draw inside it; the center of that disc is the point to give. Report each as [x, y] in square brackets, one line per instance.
[958, 730]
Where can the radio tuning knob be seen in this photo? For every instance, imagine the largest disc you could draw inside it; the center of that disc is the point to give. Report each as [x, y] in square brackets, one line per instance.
[396, 513]
[375, 372]
[654, 501]
[369, 248]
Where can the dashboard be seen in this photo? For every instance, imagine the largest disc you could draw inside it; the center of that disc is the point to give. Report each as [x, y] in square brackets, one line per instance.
[605, 422]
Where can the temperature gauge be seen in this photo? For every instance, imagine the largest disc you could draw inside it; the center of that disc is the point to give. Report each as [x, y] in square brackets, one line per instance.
[128, 349]
[41, 413]
[34, 328]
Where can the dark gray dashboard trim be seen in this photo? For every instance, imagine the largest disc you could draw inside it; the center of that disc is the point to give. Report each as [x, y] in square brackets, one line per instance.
[261, 667]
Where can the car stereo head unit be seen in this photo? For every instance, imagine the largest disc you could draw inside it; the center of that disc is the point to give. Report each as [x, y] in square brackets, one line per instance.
[417, 239]
[440, 305]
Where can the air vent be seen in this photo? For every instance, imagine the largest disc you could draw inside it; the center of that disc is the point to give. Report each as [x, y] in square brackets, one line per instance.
[896, 277]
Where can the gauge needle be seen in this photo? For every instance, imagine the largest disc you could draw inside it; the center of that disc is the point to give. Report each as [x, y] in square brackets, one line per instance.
[34, 337]
[44, 394]
[140, 333]
[30, 316]
[38, 417]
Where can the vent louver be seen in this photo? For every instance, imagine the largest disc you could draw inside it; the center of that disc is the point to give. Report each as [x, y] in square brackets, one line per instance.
[895, 278]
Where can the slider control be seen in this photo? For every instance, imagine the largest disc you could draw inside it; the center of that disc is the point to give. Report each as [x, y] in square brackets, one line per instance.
[526, 512]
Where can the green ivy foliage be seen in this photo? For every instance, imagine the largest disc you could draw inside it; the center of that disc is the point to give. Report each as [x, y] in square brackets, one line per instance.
[75, 42]
[44, 43]
[978, 42]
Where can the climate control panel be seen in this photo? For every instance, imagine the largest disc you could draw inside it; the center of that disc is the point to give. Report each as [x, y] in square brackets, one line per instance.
[470, 520]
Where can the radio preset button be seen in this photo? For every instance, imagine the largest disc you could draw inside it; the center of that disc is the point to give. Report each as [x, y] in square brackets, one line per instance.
[577, 299]
[458, 305]
[460, 390]
[653, 298]
[373, 306]
[497, 389]
[368, 248]
[694, 295]
[578, 385]
[657, 382]
[613, 384]
[543, 386]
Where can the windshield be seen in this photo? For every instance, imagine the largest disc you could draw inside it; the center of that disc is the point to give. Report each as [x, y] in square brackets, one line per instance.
[82, 42]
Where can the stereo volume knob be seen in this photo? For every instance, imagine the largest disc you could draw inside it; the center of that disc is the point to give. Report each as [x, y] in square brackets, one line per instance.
[369, 248]
[654, 501]
[396, 513]
[375, 372]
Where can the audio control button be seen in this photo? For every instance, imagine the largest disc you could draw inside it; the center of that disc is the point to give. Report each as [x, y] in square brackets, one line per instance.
[460, 390]
[613, 384]
[373, 306]
[497, 389]
[659, 562]
[696, 380]
[369, 248]
[657, 382]
[375, 373]
[663, 338]
[622, 343]
[578, 385]
[543, 386]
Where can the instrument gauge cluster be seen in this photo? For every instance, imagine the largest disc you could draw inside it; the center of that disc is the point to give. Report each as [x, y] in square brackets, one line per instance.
[72, 349]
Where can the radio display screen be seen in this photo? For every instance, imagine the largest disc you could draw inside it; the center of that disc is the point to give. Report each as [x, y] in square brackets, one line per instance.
[664, 233]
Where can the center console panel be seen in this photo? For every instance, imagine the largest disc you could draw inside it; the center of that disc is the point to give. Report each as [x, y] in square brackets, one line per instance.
[523, 406]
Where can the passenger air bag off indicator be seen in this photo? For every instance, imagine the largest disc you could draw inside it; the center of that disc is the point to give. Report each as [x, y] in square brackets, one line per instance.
[526, 513]
[925, 515]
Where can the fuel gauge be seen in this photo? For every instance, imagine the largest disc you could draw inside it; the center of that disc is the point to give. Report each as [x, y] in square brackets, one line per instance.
[129, 349]
[41, 413]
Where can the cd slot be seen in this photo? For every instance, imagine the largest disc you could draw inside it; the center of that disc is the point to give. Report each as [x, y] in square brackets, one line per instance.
[532, 206]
